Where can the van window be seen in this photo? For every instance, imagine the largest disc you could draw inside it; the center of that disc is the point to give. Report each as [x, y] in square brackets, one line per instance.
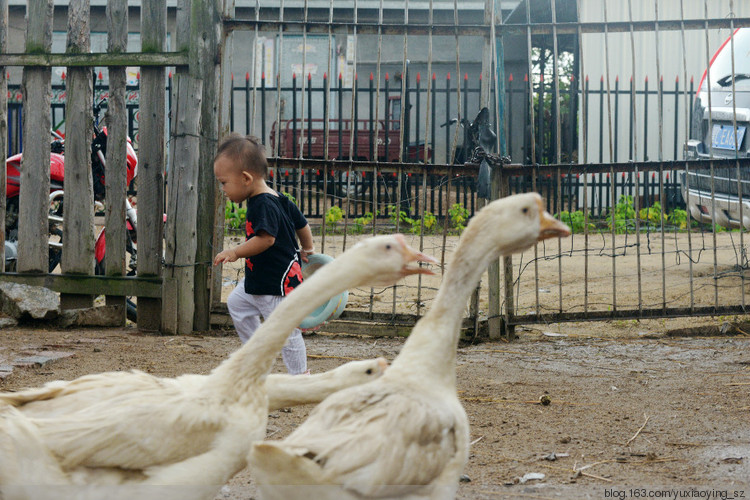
[721, 69]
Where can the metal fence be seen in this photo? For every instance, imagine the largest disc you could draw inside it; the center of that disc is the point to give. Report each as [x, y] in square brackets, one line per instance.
[608, 158]
[636, 253]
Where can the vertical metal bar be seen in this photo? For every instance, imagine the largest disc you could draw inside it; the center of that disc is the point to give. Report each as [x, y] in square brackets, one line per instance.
[532, 143]
[660, 103]
[634, 157]
[711, 155]
[617, 115]
[601, 142]
[352, 126]
[231, 103]
[742, 263]
[584, 132]
[247, 104]
[645, 118]
[376, 185]
[404, 138]
[340, 98]
[371, 123]
[251, 129]
[326, 127]
[688, 117]
[676, 117]
[279, 61]
[263, 111]
[558, 134]
[611, 175]
[295, 140]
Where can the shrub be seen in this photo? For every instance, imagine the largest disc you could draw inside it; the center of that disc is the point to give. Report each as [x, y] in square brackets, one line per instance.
[234, 216]
[459, 217]
[623, 216]
[576, 220]
[333, 216]
[653, 214]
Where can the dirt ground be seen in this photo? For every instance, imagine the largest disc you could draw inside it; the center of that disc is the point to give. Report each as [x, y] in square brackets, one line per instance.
[634, 412]
[628, 415]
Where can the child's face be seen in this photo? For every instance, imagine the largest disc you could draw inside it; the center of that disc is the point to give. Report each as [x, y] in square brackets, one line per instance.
[237, 184]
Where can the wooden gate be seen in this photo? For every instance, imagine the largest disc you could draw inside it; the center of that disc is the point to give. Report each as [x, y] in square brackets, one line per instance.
[167, 284]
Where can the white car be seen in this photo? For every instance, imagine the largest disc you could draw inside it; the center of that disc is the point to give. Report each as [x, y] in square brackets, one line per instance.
[715, 138]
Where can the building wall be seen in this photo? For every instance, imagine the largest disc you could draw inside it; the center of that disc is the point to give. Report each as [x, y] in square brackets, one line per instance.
[611, 57]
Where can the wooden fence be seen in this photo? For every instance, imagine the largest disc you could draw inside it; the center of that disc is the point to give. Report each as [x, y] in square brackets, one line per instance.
[168, 301]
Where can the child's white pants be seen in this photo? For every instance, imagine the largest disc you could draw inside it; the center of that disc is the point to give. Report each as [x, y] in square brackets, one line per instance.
[247, 309]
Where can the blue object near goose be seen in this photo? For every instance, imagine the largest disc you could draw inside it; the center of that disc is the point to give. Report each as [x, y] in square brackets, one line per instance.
[329, 310]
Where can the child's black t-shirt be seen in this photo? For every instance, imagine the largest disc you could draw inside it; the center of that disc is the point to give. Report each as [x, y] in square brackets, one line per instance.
[277, 270]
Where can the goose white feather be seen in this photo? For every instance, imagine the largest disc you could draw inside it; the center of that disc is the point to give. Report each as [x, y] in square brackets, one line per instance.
[406, 434]
[182, 437]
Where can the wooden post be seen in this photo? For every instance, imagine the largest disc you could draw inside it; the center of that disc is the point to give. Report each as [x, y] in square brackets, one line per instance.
[151, 160]
[117, 133]
[3, 126]
[500, 189]
[181, 238]
[205, 25]
[492, 10]
[78, 224]
[33, 229]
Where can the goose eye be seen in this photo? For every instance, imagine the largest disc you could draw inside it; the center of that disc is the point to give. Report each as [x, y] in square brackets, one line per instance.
[369, 371]
[388, 246]
[525, 210]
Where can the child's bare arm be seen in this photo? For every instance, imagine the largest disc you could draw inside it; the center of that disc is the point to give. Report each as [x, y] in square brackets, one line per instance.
[259, 243]
[306, 241]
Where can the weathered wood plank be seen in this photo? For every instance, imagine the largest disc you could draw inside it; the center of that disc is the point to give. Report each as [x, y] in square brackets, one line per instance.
[178, 301]
[96, 59]
[205, 25]
[78, 225]
[152, 159]
[33, 254]
[225, 91]
[117, 130]
[3, 126]
[94, 285]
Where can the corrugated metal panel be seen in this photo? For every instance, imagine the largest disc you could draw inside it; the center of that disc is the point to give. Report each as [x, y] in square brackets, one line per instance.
[670, 61]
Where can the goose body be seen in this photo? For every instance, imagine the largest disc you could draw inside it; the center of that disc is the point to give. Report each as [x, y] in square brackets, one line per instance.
[406, 434]
[187, 435]
[60, 397]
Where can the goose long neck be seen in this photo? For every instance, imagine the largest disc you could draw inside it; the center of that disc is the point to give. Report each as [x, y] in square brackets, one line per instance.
[430, 350]
[250, 364]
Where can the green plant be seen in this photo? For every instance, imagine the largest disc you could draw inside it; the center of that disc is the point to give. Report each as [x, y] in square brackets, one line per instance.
[459, 216]
[333, 216]
[678, 218]
[622, 216]
[290, 197]
[653, 214]
[234, 216]
[360, 223]
[430, 223]
[576, 220]
[399, 217]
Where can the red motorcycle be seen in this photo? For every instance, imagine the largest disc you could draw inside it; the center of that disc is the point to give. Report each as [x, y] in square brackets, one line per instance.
[56, 199]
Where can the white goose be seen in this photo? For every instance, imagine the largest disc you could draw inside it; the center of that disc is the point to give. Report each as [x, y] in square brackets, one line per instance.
[404, 435]
[65, 397]
[167, 440]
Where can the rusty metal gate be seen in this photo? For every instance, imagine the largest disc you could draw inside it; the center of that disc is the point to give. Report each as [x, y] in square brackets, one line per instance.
[610, 161]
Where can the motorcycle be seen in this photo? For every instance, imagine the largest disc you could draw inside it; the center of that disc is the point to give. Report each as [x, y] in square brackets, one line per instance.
[56, 199]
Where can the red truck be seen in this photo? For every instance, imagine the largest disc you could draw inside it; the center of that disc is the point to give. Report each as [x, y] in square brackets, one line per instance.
[309, 136]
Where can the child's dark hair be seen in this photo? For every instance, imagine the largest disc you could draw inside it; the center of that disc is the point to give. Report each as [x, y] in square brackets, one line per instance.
[247, 151]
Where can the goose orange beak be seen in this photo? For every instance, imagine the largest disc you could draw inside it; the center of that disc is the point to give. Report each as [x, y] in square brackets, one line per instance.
[411, 255]
[549, 227]
[383, 363]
